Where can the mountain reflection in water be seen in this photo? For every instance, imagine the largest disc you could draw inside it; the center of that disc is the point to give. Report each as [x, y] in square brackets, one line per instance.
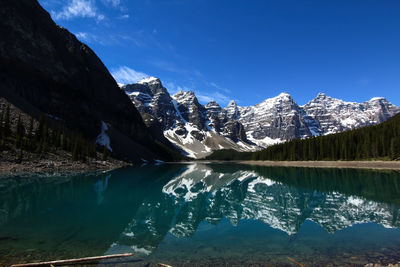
[140, 208]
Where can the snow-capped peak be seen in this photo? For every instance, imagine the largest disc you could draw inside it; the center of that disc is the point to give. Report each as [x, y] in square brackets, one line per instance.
[212, 104]
[273, 101]
[185, 97]
[149, 80]
[284, 94]
[184, 93]
[232, 103]
[379, 98]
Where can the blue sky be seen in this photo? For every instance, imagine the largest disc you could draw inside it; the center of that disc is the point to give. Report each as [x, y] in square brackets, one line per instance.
[245, 50]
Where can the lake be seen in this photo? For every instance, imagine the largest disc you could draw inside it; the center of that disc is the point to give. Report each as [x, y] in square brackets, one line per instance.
[204, 215]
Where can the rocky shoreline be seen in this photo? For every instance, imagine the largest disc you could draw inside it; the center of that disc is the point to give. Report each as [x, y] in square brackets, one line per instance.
[379, 265]
[64, 166]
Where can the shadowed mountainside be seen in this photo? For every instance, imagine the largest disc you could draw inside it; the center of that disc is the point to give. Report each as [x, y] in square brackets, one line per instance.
[44, 69]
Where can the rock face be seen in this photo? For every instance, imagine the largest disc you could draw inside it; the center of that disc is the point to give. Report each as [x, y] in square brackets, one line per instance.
[44, 69]
[335, 115]
[199, 129]
[196, 129]
[152, 98]
[278, 118]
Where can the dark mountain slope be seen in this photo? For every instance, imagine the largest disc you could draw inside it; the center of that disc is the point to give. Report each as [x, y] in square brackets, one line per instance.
[45, 69]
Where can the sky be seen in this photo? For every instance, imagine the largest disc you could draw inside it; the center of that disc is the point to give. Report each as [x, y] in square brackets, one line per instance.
[245, 51]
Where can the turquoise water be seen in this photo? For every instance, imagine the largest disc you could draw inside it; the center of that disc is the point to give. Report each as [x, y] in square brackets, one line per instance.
[204, 215]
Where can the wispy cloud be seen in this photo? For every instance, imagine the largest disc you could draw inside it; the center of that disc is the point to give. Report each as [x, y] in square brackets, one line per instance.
[84, 37]
[100, 17]
[114, 3]
[78, 8]
[216, 96]
[107, 39]
[171, 67]
[203, 97]
[127, 75]
[219, 87]
[174, 88]
[91, 38]
[167, 66]
[124, 16]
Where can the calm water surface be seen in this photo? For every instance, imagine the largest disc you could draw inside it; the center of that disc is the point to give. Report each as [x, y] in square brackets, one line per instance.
[204, 215]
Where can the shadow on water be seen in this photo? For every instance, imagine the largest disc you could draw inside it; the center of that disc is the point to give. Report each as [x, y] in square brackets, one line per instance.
[203, 214]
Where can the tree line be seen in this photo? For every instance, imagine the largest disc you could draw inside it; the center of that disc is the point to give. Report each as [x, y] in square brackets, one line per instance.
[44, 137]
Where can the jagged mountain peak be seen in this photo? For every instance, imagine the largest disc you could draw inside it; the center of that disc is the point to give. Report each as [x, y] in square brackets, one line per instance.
[148, 86]
[284, 95]
[232, 103]
[150, 80]
[283, 99]
[329, 100]
[232, 110]
[324, 101]
[184, 94]
[186, 98]
[181, 92]
[378, 99]
[212, 105]
[321, 96]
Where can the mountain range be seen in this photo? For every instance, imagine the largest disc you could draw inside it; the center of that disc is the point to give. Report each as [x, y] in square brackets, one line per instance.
[46, 70]
[200, 129]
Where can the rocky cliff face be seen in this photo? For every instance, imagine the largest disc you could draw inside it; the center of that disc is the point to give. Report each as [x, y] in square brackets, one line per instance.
[44, 69]
[335, 115]
[278, 118]
[199, 129]
[196, 129]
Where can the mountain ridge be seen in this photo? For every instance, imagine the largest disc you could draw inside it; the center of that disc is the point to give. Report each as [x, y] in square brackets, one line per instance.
[199, 129]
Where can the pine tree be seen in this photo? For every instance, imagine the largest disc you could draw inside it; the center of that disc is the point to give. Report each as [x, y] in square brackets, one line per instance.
[19, 157]
[29, 137]
[30, 127]
[1, 122]
[1, 130]
[20, 133]
[105, 153]
[395, 148]
[75, 149]
[6, 123]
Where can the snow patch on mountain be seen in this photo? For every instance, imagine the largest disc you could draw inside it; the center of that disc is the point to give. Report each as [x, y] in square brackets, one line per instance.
[148, 80]
[103, 139]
